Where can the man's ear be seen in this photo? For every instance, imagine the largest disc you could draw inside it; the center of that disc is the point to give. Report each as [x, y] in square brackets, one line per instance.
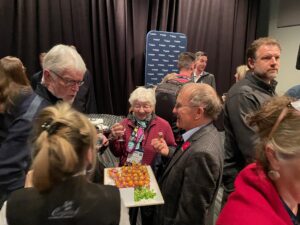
[199, 113]
[272, 158]
[46, 76]
[251, 63]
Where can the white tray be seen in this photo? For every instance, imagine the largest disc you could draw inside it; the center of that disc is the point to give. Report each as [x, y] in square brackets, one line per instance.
[127, 194]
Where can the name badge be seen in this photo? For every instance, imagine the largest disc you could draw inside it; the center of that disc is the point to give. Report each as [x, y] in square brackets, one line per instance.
[135, 157]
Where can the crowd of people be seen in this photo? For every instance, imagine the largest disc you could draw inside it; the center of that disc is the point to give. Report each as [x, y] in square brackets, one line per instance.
[48, 150]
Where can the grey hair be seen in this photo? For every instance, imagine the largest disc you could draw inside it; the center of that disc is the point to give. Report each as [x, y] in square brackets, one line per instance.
[143, 94]
[63, 57]
[204, 95]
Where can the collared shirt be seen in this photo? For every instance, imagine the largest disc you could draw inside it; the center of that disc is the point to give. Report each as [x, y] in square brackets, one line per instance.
[190, 132]
[196, 77]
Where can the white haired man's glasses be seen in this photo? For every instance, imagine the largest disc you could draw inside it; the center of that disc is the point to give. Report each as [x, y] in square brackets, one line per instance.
[68, 82]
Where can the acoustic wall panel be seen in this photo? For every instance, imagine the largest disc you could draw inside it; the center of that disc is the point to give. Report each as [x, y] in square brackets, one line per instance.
[289, 13]
[162, 50]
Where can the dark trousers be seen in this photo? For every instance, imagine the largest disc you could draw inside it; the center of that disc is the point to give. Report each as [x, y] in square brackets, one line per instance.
[146, 215]
[3, 197]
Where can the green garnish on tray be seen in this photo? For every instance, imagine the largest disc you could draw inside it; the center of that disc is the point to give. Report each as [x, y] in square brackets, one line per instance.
[143, 193]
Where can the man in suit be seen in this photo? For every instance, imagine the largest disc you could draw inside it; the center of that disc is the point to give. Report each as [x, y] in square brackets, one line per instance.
[200, 75]
[191, 179]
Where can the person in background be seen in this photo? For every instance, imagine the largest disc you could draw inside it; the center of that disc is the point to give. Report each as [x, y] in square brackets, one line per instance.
[240, 74]
[37, 77]
[190, 182]
[18, 107]
[169, 76]
[185, 67]
[200, 75]
[137, 131]
[294, 92]
[85, 100]
[241, 71]
[267, 192]
[63, 151]
[245, 97]
[167, 90]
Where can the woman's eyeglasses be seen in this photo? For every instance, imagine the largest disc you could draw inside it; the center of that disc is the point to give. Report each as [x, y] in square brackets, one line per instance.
[294, 105]
[68, 82]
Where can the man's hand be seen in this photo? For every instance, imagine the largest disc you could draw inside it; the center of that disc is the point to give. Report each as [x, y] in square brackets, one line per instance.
[159, 144]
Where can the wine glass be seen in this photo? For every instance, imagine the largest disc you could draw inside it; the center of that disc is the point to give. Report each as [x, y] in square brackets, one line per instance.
[118, 131]
[121, 139]
[100, 134]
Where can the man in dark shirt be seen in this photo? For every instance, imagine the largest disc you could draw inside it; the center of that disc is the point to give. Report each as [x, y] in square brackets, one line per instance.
[244, 97]
[63, 73]
[84, 101]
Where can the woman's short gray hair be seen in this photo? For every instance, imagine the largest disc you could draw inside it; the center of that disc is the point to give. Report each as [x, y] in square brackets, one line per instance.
[143, 94]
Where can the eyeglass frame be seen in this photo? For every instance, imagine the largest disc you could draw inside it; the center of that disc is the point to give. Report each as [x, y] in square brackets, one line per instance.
[145, 107]
[68, 82]
[294, 105]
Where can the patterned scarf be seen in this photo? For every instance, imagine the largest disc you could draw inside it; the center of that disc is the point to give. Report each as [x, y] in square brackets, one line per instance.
[137, 134]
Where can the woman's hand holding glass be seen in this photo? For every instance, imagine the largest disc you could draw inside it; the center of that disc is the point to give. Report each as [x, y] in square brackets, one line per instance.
[118, 131]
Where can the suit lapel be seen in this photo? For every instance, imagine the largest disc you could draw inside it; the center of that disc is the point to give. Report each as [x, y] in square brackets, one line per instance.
[180, 153]
[173, 161]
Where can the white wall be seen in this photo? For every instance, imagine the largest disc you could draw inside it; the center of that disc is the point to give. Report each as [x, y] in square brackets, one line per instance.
[289, 38]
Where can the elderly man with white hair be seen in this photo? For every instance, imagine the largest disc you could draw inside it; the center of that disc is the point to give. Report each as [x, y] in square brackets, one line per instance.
[63, 71]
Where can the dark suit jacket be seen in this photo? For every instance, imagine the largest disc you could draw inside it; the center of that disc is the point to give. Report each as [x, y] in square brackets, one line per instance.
[191, 180]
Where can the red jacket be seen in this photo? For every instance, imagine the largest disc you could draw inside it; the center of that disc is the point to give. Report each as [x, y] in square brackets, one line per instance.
[255, 201]
[156, 125]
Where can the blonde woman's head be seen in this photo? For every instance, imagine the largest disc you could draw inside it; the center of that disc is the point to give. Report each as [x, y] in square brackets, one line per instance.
[63, 145]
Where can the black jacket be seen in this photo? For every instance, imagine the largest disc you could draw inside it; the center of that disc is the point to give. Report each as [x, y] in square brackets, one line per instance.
[84, 101]
[244, 97]
[74, 201]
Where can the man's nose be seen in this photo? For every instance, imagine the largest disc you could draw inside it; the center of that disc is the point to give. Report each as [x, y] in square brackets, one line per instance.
[75, 87]
[174, 110]
[274, 60]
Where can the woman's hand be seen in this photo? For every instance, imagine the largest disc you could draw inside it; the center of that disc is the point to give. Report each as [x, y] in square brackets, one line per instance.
[117, 130]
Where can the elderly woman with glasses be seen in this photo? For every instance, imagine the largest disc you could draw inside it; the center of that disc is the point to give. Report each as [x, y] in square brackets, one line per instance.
[131, 138]
[138, 129]
[268, 191]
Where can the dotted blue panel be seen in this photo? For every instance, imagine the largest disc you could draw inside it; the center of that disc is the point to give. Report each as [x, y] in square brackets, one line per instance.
[162, 50]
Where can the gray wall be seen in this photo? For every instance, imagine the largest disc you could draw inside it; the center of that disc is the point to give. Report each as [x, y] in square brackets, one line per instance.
[289, 38]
